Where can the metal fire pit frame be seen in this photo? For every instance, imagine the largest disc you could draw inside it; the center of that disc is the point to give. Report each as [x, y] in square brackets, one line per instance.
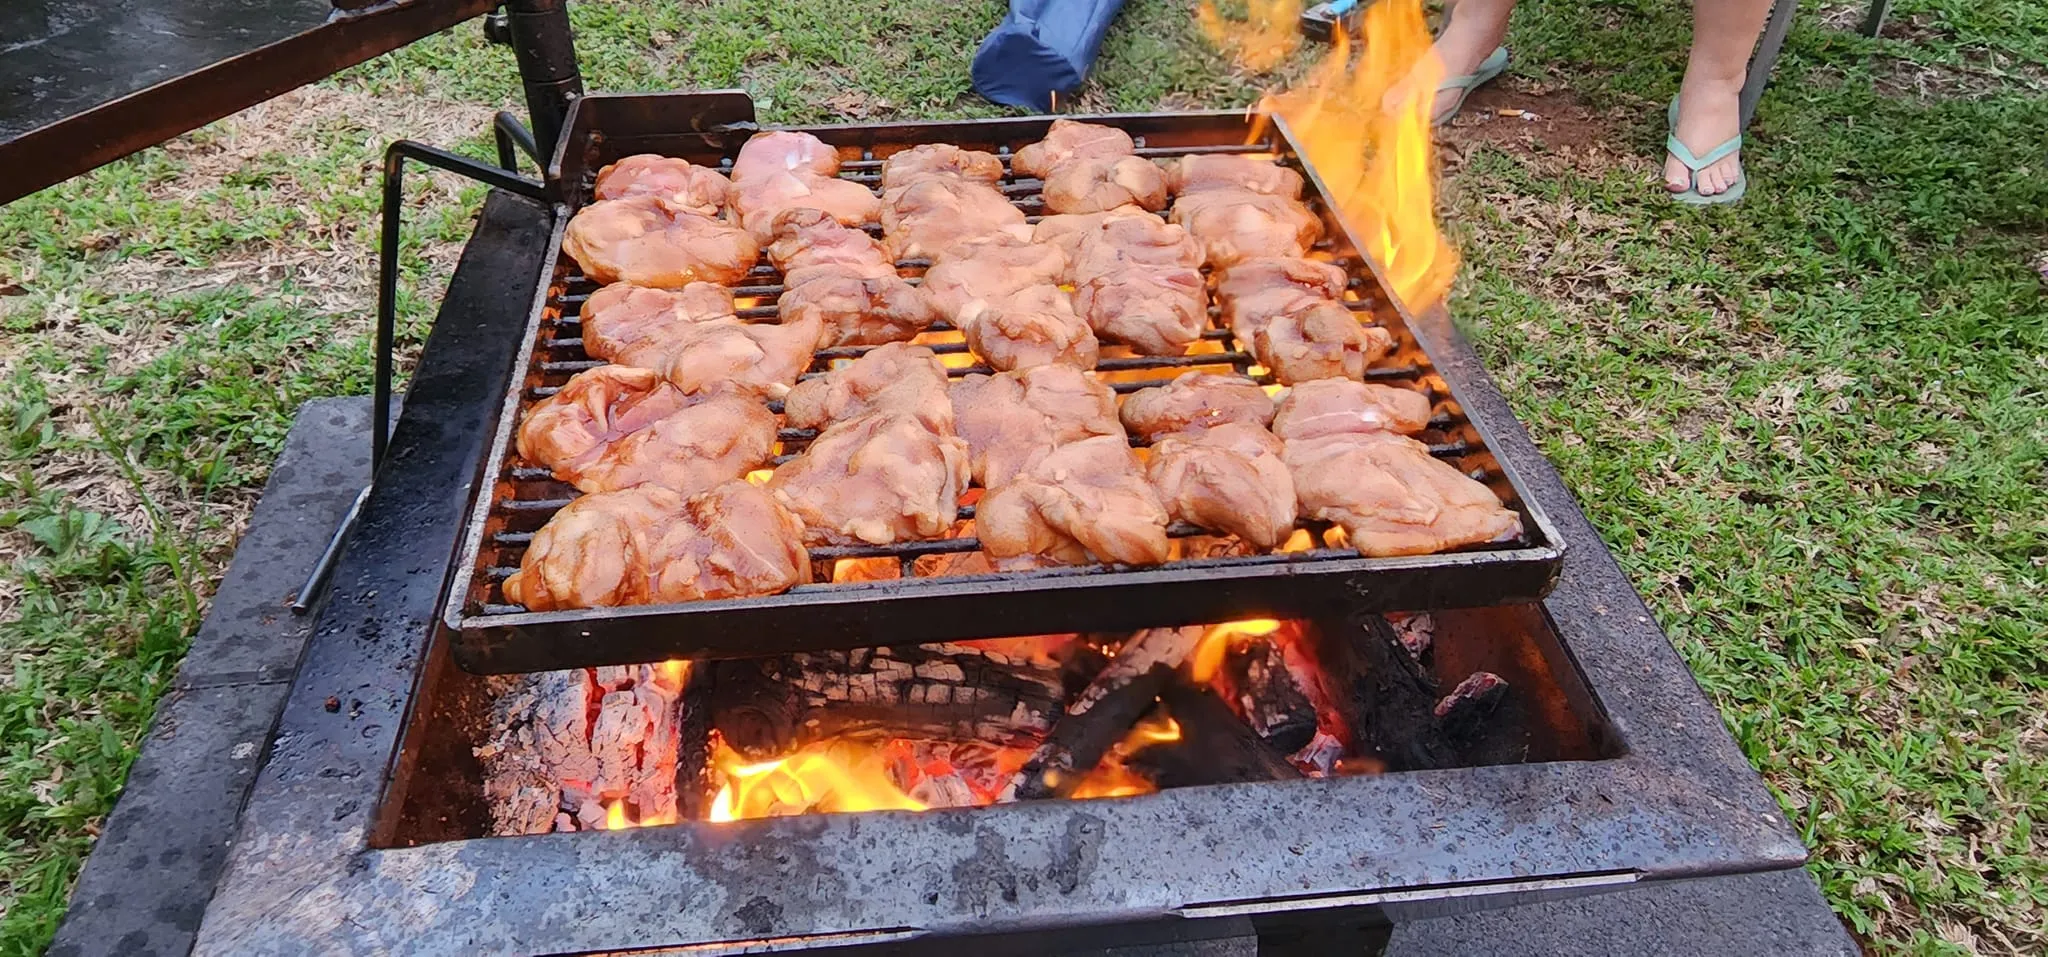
[307, 875]
[500, 638]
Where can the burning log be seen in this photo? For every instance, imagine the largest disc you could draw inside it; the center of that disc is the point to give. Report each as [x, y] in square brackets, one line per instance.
[1389, 701]
[1214, 746]
[1462, 714]
[583, 749]
[767, 707]
[1099, 716]
[1257, 684]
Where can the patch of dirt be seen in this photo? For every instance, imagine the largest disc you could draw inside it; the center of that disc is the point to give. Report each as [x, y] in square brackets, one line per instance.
[1548, 124]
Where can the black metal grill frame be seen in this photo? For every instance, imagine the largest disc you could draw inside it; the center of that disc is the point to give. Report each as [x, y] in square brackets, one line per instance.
[517, 497]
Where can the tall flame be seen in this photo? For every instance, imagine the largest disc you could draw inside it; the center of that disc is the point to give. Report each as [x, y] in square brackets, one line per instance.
[1363, 123]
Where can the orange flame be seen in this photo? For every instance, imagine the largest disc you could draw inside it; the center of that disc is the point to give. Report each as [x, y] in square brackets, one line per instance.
[760, 476]
[1270, 33]
[616, 818]
[670, 674]
[1364, 124]
[828, 778]
[1207, 658]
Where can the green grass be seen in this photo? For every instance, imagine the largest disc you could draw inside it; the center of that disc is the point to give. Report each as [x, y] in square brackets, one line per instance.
[1814, 428]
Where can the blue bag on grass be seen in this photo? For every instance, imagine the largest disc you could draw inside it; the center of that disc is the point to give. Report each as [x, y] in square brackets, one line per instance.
[1043, 47]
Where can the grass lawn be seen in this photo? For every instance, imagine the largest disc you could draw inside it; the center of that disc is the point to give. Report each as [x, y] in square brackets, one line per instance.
[1814, 428]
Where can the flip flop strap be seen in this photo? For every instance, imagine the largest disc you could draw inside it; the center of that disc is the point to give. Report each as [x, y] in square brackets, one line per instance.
[1713, 156]
[1463, 82]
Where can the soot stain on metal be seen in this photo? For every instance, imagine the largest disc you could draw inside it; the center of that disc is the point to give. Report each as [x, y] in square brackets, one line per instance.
[759, 916]
[1077, 854]
[989, 871]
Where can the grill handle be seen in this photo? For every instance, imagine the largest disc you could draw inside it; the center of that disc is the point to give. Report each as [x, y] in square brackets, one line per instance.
[387, 320]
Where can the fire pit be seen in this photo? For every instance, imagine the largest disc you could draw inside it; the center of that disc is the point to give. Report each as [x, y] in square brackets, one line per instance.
[1597, 766]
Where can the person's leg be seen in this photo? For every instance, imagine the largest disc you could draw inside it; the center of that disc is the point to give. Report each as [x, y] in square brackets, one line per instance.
[1472, 29]
[1724, 34]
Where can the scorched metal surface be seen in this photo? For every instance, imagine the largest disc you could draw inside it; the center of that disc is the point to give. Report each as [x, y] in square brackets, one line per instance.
[308, 873]
[494, 636]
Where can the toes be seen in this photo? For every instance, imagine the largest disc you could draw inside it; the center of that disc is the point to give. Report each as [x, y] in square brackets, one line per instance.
[1710, 182]
[1677, 178]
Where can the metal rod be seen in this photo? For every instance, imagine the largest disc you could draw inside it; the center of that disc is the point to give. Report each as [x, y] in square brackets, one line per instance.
[546, 50]
[317, 581]
[510, 133]
[387, 318]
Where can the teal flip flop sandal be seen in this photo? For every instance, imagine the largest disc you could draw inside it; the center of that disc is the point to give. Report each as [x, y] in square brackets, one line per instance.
[1494, 64]
[1692, 197]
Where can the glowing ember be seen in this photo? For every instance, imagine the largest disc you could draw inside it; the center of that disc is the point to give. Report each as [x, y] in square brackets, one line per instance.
[834, 777]
[1208, 656]
[672, 672]
[1363, 123]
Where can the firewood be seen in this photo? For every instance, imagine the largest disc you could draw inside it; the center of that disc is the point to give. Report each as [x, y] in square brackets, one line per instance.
[566, 745]
[1100, 715]
[1256, 684]
[1387, 700]
[1215, 746]
[1463, 713]
[766, 707]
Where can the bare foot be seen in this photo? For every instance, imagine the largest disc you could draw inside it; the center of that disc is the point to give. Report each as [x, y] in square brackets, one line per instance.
[1473, 29]
[1709, 114]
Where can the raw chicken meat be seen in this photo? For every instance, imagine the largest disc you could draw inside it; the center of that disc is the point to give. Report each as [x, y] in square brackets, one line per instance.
[1068, 140]
[568, 431]
[1196, 401]
[1321, 341]
[1156, 310]
[1094, 184]
[1085, 501]
[933, 215]
[781, 170]
[844, 280]
[896, 378]
[1134, 276]
[1335, 406]
[1391, 497]
[747, 357]
[940, 159]
[651, 545]
[877, 479]
[1089, 168]
[1288, 312]
[1034, 327]
[1012, 419]
[990, 270]
[649, 241]
[857, 310]
[1234, 224]
[636, 325]
[1228, 478]
[684, 184]
[609, 429]
[1195, 173]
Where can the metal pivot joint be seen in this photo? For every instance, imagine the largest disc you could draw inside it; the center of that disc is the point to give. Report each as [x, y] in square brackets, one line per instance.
[387, 311]
[546, 49]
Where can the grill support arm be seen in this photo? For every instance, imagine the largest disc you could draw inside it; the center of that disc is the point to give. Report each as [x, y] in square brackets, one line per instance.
[545, 47]
[387, 312]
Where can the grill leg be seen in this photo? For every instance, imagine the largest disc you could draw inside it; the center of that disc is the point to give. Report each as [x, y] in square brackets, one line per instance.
[546, 51]
[1766, 57]
[387, 321]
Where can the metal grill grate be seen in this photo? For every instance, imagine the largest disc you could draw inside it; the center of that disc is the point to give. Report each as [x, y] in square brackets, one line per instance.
[524, 496]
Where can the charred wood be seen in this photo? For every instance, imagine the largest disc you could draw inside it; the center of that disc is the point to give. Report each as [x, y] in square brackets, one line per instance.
[1385, 698]
[1215, 745]
[1101, 714]
[1257, 684]
[1463, 714]
[767, 707]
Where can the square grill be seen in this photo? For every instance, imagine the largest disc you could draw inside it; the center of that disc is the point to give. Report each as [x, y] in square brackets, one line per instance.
[1204, 582]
